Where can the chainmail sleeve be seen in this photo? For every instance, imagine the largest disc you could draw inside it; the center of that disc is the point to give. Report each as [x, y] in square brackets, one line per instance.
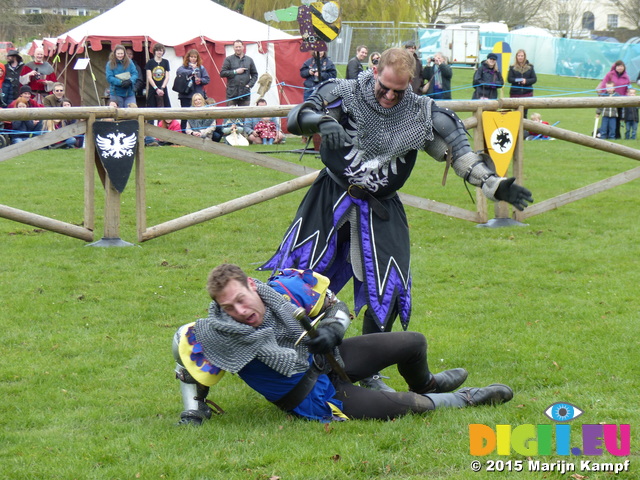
[474, 169]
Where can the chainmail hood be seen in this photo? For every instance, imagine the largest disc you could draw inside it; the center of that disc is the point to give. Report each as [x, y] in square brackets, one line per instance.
[231, 345]
[381, 136]
[407, 125]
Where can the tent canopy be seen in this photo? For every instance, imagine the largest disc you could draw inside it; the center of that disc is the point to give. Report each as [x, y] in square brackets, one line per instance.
[201, 24]
[171, 23]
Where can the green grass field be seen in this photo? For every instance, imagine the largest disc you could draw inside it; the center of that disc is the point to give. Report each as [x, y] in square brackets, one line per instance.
[86, 371]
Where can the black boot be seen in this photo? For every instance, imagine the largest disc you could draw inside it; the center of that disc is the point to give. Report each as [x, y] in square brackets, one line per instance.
[446, 381]
[494, 394]
[375, 382]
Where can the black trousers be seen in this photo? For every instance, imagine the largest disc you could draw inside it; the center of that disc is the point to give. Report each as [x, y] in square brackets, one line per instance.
[366, 355]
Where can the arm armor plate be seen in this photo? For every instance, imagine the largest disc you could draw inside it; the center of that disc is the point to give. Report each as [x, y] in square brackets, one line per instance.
[477, 169]
[337, 313]
[305, 118]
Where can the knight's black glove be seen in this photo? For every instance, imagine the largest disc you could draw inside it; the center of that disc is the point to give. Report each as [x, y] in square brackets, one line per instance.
[125, 83]
[512, 193]
[332, 133]
[329, 336]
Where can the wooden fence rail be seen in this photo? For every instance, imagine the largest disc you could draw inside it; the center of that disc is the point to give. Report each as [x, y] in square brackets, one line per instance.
[304, 175]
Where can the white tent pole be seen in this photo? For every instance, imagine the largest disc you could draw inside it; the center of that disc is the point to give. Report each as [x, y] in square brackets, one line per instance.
[146, 58]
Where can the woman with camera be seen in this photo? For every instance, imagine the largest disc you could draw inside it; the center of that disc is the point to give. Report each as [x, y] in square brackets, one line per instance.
[316, 70]
[197, 76]
[438, 75]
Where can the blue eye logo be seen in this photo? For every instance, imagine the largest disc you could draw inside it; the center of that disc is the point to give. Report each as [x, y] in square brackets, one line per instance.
[563, 412]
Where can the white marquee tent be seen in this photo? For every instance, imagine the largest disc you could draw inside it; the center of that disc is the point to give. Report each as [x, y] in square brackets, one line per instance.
[179, 26]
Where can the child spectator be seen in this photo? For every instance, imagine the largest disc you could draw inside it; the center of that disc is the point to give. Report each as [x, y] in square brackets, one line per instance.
[53, 125]
[24, 129]
[79, 139]
[609, 115]
[266, 129]
[233, 129]
[630, 115]
[173, 125]
[250, 127]
[536, 117]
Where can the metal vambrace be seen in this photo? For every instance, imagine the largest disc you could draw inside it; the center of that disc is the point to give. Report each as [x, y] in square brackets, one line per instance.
[338, 314]
[193, 393]
[473, 168]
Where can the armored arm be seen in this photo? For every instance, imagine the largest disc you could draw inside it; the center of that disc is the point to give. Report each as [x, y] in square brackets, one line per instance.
[306, 117]
[332, 327]
[450, 135]
[337, 314]
[312, 117]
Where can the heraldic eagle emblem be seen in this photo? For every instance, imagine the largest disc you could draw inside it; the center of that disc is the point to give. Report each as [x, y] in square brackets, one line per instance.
[116, 145]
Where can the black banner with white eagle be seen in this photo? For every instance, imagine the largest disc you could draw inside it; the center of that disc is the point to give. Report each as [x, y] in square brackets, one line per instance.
[116, 144]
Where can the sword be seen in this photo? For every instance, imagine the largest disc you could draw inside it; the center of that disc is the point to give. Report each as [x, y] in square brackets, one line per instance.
[300, 314]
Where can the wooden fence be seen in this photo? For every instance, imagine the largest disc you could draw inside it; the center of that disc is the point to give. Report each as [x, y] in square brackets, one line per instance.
[304, 176]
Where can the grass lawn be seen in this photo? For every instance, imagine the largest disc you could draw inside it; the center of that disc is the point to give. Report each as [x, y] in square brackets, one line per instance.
[86, 377]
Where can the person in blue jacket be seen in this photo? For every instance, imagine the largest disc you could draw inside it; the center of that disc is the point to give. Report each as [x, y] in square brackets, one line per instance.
[316, 70]
[122, 76]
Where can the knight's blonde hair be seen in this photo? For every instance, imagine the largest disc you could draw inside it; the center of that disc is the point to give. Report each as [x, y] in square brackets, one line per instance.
[400, 60]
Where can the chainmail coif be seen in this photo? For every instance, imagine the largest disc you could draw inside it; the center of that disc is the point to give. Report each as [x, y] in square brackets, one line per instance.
[231, 345]
[385, 133]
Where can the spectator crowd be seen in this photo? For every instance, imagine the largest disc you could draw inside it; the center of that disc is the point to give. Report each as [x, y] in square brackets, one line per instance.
[35, 84]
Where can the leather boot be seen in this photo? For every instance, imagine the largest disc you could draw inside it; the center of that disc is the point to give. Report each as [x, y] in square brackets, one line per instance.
[494, 394]
[446, 381]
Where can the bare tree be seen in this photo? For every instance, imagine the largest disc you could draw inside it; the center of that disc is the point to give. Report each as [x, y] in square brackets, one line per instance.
[630, 9]
[512, 12]
[429, 10]
[564, 17]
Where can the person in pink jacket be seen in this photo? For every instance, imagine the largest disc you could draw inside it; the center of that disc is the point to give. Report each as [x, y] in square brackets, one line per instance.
[620, 78]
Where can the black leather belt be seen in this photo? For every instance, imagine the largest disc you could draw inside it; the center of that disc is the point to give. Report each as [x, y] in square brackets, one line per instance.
[356, 191]
[297, 394]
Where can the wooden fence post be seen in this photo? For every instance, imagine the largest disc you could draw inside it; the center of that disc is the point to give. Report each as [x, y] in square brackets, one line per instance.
[518, 161]
[478, 145]
[141, 192]
[89, 175]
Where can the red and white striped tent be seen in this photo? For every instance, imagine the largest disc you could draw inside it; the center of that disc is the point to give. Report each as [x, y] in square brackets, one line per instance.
[179, 26]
